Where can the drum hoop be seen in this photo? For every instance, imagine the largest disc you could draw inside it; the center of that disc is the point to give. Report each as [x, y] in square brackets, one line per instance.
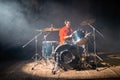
[80, 39]
[50, 41]
[60, 46]
[75, 31]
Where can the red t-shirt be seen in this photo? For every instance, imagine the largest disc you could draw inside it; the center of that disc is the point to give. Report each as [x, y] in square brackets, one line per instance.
[65, 31]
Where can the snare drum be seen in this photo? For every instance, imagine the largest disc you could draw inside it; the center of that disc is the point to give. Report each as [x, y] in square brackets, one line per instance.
[48, 48]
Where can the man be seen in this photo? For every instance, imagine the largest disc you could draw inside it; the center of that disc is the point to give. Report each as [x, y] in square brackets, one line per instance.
[65, 33]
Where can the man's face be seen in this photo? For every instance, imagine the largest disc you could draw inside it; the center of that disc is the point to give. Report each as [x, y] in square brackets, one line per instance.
[68, 24]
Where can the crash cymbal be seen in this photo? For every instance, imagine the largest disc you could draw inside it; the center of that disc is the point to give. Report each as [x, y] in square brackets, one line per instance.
[49, 29]
[90, 21]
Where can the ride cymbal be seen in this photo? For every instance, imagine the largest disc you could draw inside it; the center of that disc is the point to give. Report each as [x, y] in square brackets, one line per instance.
[90, 21]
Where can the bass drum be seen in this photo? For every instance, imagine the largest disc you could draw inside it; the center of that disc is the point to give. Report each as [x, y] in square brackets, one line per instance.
[67, 56]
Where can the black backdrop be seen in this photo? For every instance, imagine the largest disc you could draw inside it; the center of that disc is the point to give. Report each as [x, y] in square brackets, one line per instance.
[20, 18]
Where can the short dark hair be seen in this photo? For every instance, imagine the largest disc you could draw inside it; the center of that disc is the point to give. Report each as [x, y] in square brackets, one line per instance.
[66, 21]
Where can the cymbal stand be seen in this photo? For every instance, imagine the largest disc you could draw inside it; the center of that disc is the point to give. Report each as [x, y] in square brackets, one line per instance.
[85, 63]
[94, 36]
[36, 56]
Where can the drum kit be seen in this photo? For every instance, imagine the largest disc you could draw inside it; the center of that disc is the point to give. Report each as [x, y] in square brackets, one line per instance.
[68, 55]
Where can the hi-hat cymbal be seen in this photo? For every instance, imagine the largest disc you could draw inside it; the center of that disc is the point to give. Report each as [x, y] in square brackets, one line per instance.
[49, 29]
[90, 21]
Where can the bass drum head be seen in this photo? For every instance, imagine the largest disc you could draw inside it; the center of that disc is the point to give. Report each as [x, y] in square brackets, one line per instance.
[67, 56]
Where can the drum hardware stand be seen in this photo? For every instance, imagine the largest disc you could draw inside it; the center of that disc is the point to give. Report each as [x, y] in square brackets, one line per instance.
[36, 56]
[95, 52]
[46, 59]
[85, 64]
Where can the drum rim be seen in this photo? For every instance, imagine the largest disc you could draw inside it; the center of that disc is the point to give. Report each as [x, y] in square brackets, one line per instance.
[79, 40]
[75, 31]
[50, 41]
[61, 45]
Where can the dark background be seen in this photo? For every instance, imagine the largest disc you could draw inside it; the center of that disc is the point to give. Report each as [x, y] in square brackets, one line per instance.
[20, 18]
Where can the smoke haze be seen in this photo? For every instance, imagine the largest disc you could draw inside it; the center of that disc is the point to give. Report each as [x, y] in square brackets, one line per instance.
[20, 18]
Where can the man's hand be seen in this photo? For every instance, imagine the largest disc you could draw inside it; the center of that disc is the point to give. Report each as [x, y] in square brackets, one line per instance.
[70, 35]
[66, 37]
